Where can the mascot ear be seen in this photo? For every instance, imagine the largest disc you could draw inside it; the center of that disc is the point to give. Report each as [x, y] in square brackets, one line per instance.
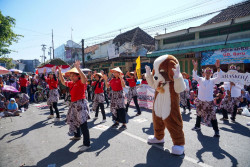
[171, 65]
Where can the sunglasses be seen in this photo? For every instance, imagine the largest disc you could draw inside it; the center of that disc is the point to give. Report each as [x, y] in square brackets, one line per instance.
[208, 71]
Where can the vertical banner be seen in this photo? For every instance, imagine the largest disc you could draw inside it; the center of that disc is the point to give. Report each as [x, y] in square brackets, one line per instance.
[138, 67]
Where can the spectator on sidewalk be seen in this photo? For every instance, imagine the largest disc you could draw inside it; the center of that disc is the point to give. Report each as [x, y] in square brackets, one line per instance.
[12, 108]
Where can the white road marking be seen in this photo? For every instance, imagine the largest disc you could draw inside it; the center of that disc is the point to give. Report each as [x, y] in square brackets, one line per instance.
[140, 120]
[105, 127]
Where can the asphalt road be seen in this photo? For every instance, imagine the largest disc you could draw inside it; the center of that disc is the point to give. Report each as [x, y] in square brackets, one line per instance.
[33, 140]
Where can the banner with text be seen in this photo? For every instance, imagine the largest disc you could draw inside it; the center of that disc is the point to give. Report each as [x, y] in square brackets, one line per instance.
[226, 56]
[145, 96]
[234, 76]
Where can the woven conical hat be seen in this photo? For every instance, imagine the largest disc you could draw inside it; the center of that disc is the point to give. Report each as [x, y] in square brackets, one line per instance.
[117, 69]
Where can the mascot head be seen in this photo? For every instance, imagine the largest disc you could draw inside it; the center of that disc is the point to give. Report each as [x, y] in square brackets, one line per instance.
[162, 71]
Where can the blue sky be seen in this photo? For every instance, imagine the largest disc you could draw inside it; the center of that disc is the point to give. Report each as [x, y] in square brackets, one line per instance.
[35, 19]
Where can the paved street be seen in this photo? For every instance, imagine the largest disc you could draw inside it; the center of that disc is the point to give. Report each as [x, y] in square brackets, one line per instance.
[33, 140]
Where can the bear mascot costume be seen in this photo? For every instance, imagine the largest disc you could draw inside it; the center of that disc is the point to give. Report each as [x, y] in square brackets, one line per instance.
[168, 82]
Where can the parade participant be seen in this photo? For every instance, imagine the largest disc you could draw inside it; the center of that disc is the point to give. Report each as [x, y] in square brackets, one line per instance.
[78, 112]
[117, 106]
[205, 105]
[231, 102]
[98, 100]
[52, 101]
[105, 91]
[185, 96]
[23, 81]
[144, 81]
[132, 93]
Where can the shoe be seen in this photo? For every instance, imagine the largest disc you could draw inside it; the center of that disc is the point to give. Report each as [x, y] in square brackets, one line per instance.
[138, 114]
[56, 119]
[84, 148]
[95, 118]
[107, 106]
[103, 121]
[123, 127]
[196, 128]
[115, 125]
[216, 134]
[75, 138]
[248, 124]
[224, 119]
[232, 119]
[152, 139]
[50, 116]
[177, 150]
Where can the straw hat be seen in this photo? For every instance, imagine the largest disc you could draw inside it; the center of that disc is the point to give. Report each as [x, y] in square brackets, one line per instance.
[117, 69]
[100, 75]
[73, 70]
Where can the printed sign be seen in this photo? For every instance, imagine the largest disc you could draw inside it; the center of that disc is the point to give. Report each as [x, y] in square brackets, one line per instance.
[234, 76]
[226, 56]
[145, 96]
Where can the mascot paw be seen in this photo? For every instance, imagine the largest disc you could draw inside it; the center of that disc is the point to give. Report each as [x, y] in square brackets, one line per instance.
[178, 150]
[152, 139]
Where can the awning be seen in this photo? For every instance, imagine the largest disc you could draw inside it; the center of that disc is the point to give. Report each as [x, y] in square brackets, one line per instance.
[200, 48]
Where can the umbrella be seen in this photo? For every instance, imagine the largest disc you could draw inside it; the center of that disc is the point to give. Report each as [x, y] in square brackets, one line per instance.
[10, 89]
[4, 70]
[86, 70]
[15, 70]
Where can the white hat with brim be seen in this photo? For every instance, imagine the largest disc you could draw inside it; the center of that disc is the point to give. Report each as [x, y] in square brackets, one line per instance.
[100, 75]
[117, 69]
[73, 70]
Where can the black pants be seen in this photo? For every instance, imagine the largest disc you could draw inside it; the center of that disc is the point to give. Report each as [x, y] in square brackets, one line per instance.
[225, 114]
[121, 116]
[25, 106]
[213, 122]
[188, 105]
[56, 110]
[85, 132]
[101, 105]
[136, 104]
[106, 98]
[23, 89]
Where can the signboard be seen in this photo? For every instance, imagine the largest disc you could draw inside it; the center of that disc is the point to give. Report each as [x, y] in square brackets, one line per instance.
[145, 96]
[234, 76]
[226, 56]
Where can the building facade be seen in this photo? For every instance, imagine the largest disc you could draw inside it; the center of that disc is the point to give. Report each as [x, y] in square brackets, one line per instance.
[30, 65]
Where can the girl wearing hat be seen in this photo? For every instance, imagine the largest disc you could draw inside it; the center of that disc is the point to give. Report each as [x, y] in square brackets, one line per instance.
[98, 100]
[78, 112]
[132, 93]
[117, 106]
[52, 101]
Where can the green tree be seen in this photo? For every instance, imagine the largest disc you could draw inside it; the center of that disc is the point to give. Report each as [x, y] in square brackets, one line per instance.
[7, 36]
[7, 61]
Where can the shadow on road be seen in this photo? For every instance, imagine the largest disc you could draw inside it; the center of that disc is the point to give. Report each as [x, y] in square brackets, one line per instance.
[236, 128]
[157, 157]
[102, 142]
[59, 157]
[211, 144]
[24, 132]
[186, 117]
[150, 130]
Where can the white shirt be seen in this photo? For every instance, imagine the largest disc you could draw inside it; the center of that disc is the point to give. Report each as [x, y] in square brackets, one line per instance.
[206, 87]
[236, 90]
[187, 85]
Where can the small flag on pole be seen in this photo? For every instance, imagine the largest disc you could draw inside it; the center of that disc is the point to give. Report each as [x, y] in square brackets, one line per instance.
[138, 67]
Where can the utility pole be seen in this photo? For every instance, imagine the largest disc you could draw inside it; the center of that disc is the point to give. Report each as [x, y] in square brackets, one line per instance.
[49, 53]
[52, 44]
[83, 62]
[43, 49]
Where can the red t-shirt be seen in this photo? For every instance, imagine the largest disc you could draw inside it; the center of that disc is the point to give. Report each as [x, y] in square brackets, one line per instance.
[23, 82]
[144, 82]
[131, 82]
[116, 84]
[77, 90]
[52, 83]
[97, 88]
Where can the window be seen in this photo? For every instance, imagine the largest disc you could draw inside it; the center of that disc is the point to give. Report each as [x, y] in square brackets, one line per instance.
[185, 37]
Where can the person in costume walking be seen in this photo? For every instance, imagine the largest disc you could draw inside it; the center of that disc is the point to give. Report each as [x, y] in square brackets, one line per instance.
[78, 112]
[117, 106]
[204, 102]
[132, 93]
[98, 100]
[52, 101]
